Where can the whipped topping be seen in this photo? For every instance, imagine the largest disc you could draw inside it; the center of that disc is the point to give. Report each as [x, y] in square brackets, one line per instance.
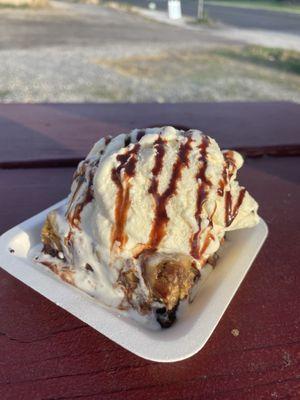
[158, 191]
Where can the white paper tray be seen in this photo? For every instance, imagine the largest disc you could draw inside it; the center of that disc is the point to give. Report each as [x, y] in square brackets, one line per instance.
[185, 338]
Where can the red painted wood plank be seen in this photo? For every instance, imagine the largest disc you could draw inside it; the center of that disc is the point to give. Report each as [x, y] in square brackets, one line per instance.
[47, 132]
[45, 353]
[25, 193]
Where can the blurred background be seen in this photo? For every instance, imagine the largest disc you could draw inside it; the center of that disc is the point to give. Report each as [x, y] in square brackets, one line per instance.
[139, 50]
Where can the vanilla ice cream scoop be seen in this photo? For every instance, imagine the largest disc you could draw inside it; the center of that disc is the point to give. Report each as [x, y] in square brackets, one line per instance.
[146, 212]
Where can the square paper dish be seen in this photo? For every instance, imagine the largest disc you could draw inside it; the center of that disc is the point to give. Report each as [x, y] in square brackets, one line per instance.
[185, 338]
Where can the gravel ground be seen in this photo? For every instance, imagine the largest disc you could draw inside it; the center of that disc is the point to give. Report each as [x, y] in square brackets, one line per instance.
[75, 75]
[76, 53]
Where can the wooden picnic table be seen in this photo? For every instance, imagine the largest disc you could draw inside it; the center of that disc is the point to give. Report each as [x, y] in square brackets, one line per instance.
[254, 353]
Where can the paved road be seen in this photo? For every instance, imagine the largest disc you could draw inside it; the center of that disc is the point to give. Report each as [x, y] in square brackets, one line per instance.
[237, 17]
[256, 19]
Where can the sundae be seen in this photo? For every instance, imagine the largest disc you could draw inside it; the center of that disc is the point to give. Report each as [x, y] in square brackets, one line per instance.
[147, 213]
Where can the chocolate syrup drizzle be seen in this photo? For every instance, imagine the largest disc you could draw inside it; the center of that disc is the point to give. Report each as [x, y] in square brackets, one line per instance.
[231, 213]
[203, 186]
[158, 229]
[74, 217]
[89, 196]
[107, 140]
[228, 171]
[127, 141]
[80, 181]
[127, 164]
[140, 134]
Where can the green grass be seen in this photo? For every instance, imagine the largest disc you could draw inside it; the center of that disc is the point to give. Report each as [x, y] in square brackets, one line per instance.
[205, 20]
[273, 5]
[4, 94]
[22, 6]
[284, 60]
[230, 73]
[38, 4]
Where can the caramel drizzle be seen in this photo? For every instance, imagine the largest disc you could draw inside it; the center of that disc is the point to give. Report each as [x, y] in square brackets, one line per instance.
[209, 237]
[66, 276]
[223, 182]
[158, 229]
[201, 197]
[127, 163]
[69, 238]
[230, 213]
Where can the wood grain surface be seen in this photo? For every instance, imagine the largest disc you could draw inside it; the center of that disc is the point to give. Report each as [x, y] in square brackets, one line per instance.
[45, 353]
[62, 134]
